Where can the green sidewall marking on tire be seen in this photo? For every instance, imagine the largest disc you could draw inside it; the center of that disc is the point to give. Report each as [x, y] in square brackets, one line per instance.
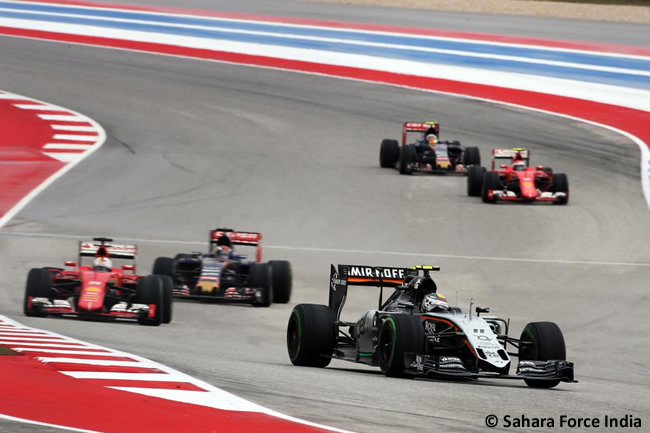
[298, 326]
[392, 348]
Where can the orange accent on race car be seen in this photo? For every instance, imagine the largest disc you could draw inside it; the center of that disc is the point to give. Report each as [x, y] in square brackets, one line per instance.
[370, 280]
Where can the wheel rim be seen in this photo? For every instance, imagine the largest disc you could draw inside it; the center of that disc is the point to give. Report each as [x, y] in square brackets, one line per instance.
[387, 349]
[294, 333]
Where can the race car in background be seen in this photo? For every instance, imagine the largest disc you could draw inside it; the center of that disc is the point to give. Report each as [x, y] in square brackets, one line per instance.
[404, 337]
[512, 179]
[223, 275]
[426, 154]
[99, 291]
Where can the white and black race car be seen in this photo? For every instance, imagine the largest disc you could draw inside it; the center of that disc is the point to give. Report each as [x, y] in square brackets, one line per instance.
[402, 339]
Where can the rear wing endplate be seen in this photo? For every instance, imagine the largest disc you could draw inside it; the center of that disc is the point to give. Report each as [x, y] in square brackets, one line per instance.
[239, 238]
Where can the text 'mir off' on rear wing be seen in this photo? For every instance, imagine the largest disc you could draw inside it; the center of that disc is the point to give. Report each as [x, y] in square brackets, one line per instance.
[342, 276]
[114, 251]
[253, 239]
[507, 156]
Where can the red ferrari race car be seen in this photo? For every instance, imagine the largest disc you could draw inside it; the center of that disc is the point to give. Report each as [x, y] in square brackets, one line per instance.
[223, 275]
[512, 179]
[426, 154]
[99, 291]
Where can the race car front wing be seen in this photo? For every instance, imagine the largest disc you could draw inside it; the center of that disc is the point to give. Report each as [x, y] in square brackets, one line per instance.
[452, 367]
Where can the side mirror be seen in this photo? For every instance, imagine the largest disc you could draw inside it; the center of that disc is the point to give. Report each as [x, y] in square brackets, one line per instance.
[539, 167]
[128, 268]
[70, 264]
[503, 166]
[480, 310]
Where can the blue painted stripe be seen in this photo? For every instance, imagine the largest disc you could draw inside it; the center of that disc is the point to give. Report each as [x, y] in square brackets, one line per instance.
[603, 77]
[423, 42]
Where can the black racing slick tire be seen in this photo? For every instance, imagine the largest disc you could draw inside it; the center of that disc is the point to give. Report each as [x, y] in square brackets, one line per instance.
[260, 278]
[475, 176]
[311, 335]
[560, 183]
[39, 285]
[168, 297]
[490, 182]
[542, 341]
[399, 334]
[407, 158]
[388, 153]
[164, 266]
[472, 156]
[150, 292]
[282, 279]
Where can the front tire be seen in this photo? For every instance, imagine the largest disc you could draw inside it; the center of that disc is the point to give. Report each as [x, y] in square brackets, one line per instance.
[399, 334]
[168, 298]
[311, 335]
[260, 278]
[475, 177]
[164, 266]
[150, 292]
[282, 280]
[543, 341]
[407, 158]
[490, 182]
[388, 153]
[560, 183]
[39, 285]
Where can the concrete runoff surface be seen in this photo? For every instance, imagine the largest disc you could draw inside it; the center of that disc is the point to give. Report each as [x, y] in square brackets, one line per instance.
[195, 144]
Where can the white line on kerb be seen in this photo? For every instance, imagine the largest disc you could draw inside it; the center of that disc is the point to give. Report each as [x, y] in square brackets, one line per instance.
[67, 146]
[62, 117]
[344, 251]
[73, 128]
[39, 107]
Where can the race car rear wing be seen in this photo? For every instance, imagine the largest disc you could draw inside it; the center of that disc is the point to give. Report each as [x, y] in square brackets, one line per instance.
[239, 238]
[507, 156]
[359, 275]
[90, 249]
[419, 127]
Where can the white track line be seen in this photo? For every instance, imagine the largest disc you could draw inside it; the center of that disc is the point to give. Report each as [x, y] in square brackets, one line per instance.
[64, 352]
[66, 146]
[75, 137]
[39, 107]
[62, 117]
[101, 362]
[344, 251]
[29, 421]
[73, 128]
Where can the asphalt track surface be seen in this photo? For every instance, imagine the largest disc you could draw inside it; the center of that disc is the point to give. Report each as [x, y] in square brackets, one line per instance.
[196, 144]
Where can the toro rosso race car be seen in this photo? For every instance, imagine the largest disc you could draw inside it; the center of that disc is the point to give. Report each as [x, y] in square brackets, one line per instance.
[512, 179]
[416, 333]
[99, 291]
[427, 154]
[222, 275]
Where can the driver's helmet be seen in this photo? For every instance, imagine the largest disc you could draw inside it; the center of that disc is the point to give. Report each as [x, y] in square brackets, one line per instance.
[102, 264]
[223, 252]
[519, 166]
[434, 303]
[431, 139]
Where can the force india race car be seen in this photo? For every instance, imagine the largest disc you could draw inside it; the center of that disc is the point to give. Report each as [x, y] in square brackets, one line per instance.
[404, 340]
[512, 179]
[222, 275]
[427, 154]
[99, 292]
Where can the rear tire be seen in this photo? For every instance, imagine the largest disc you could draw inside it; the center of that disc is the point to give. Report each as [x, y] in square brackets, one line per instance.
[490, 182]
[39, 285]
[547, 344]
[260, 278]
[475, 177]
[388, 153]
[311, 335]
[282, 280]
[164, 266]
[150, 291]
[472, 156]
[407, 158]
[560, 183]
[399, 334]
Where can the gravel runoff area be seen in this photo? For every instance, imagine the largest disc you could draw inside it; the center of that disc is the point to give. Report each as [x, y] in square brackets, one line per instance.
[622, 11]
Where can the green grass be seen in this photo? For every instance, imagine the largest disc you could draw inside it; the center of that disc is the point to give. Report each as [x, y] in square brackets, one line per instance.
[7, 351]
[605, 2]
